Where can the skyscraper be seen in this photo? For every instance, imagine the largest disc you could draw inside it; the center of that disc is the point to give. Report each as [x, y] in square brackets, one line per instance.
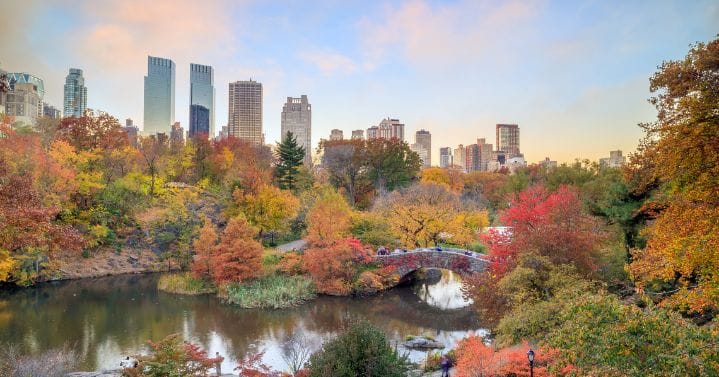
[445, 157]
[202, 100]
[50, 111]
[131, 131]
[177, 135]
[24, 99]
[459, 156]
[297, 118]
[159, 95]
[424, 138]
[244, 120]
[75, 94]
[391, 128]
[508, 139]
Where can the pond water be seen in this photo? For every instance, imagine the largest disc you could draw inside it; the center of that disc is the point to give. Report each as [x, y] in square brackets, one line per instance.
[108, 318]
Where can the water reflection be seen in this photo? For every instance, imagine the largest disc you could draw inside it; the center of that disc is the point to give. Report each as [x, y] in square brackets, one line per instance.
[110, 317]
[444, 293]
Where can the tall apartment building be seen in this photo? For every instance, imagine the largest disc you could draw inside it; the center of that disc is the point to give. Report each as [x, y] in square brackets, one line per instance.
[422, 152]
[297, 118]
[424, 138]
[445, 157]
[177, 135]
[202, 101]
[458, 158]
[159, 95]
[373, 133]
[508, 139]
[391, 128]
[471, 158]
[74, 94]
[485, 154]
[244, 120]
[24, 99]
[358, 135]
[336, 134]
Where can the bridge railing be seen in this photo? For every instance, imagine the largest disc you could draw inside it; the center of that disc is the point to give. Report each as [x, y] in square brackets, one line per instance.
[462, 252]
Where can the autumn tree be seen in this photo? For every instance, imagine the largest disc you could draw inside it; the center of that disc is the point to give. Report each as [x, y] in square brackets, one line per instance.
[475, 358]
[238, 163]
[238, 256]
[329, 219]
[343, 161]
[452, 178]
[89, 132]
[679, 155]
[290, 157]
[270, 209]
[171, 357]
[334, 267]
[204, 247]
[152, 148]
[390, 163]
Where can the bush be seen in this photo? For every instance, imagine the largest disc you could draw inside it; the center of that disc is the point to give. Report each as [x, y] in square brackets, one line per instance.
[272, 291]
[362, 350]
[185, 284]
[170, 357]
[52, 363]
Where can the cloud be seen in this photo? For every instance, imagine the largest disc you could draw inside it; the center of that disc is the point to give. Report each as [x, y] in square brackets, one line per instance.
[447, 34]
[330, 63]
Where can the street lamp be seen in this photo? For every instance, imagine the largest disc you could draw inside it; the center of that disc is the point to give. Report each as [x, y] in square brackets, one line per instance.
[530, 356]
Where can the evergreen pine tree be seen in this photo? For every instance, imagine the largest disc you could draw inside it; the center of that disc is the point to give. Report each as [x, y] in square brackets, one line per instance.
[291, 156]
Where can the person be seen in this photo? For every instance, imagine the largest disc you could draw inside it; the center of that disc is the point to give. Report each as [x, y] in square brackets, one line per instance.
[218, 363]
[444, 363]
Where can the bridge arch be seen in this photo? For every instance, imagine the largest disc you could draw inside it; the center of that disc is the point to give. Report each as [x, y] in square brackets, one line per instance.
[455, 260]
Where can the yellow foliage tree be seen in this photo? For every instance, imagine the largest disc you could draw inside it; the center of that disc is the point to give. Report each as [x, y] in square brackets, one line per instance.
[271, 209]
[7, 264]
[330, 219]
[452, 178]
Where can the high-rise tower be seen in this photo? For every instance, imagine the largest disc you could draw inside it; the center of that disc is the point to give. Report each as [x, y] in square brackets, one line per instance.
[244, 119]
[508, 139]
[424, 138]
[297, 118]
[159, 95]
[75, 94]
[202, 100]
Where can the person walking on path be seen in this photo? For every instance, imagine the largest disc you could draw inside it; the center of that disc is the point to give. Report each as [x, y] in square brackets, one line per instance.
[444, 363]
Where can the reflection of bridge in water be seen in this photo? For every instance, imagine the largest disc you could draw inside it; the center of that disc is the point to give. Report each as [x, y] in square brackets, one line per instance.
[464, 262]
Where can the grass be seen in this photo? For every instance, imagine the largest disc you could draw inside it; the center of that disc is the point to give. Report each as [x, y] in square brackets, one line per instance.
[272, 291]
[53, 363]
[183, 283]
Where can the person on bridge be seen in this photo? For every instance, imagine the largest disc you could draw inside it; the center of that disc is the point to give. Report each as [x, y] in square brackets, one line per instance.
[444, 363]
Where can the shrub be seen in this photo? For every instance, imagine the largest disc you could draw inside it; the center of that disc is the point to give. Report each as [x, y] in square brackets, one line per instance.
[52, 363]
[362, 350]
[272, 291]
[170, 357]
[184, 283]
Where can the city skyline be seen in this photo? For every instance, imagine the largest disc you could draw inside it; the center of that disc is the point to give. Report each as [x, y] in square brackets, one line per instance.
[578, 90]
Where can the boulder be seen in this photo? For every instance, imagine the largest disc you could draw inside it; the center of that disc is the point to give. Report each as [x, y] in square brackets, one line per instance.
[420, 342]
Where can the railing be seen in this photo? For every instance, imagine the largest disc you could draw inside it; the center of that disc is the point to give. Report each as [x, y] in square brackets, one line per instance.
[445, 250]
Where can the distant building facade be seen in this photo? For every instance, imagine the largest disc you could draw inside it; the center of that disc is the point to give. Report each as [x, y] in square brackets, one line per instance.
[391, 128]
[177, 135]
[131, 131]
[244, 120]
[297, 118]
[445, 157]
[422, 152]
[358, 135]
[336, 134]
[202, 101]
[24, 99]
[373, 133]
[547, 163]
[424, 138]
[159, 111]
[615, 160]
[508, 139]
[50, 111]
[74, 94]
[458, 157]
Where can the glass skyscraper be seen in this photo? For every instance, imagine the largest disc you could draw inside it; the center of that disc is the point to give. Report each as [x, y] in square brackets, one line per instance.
[202, 100]
[159, 95]
[75, 94]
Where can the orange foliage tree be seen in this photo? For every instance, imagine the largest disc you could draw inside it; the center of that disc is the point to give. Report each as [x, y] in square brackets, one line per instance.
[475, 358]
[330, 219]
[204, 247]
[238, 256]
[334, 267]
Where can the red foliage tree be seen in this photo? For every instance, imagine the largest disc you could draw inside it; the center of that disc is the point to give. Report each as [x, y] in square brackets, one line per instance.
[88, 132]
[252, 366]
[238, 256]
[333, 268]
[475, 358]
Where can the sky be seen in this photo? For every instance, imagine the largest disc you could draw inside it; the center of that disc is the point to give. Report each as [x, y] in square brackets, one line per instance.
[573, 74]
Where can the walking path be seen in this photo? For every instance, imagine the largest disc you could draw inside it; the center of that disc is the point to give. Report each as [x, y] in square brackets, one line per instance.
[294, 245]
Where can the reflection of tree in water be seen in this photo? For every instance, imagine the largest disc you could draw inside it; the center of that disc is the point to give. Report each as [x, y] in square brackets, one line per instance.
[104, 317]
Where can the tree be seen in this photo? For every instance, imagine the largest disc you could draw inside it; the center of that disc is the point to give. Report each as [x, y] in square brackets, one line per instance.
[390, 163]
[452, 178]
[270, 209]
[88, 132]
[152, 148]
[678, 159]
[334, 267]
[170, 358]
[361, 351]
[329, 219]
[204, 249]
[238, 256]
[343, 161]
[475, 358]
[290, 156]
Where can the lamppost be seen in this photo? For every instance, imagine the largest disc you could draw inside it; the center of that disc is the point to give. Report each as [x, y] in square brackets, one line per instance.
[530, 356]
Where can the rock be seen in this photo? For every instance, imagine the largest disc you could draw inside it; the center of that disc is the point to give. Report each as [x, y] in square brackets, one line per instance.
[420, 342]
[102, 373]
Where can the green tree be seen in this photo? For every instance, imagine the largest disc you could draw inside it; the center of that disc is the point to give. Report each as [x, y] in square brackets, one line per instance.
[361, 351]
[291, 156]
[390, 163]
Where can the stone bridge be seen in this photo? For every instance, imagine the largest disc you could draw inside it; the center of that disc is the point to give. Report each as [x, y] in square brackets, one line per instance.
[460, 261]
